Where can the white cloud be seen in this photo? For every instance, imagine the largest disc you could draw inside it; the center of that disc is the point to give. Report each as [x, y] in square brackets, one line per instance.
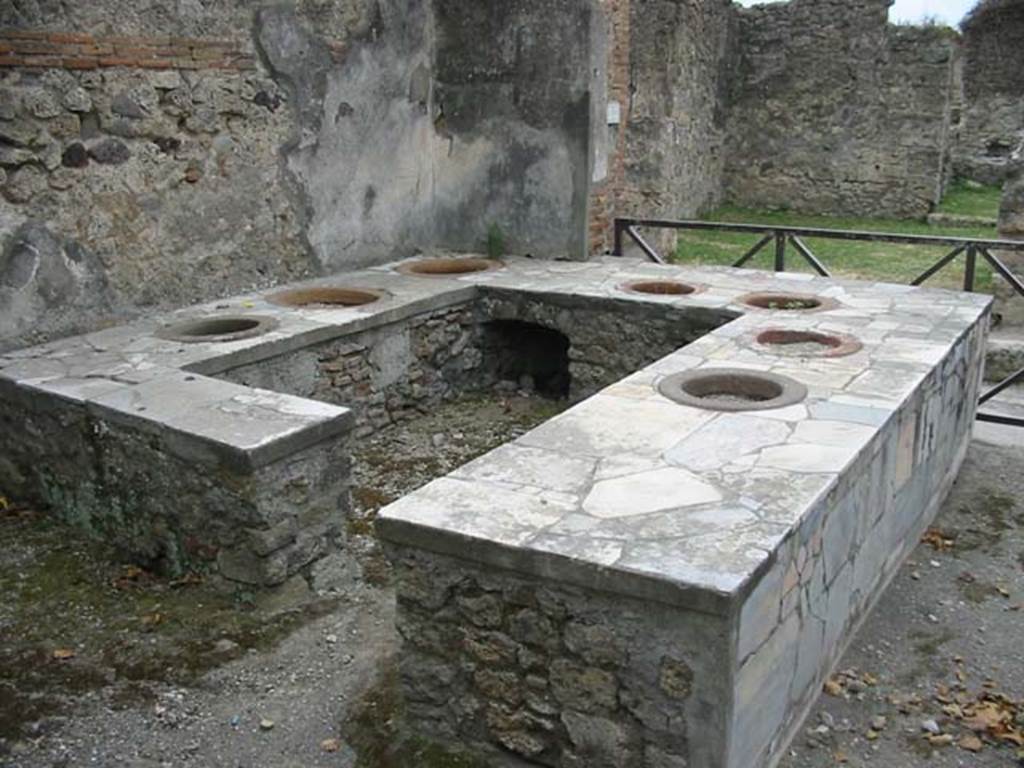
[948, 11]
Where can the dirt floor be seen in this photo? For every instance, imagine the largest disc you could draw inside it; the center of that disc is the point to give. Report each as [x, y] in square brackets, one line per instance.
[102, 664]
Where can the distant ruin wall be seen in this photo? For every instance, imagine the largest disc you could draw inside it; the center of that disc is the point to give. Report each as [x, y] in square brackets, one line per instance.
[680, 55]
[992, 120]
[833, 110]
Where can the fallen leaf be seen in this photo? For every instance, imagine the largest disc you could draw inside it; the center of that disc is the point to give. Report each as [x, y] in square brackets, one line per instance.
[871, 735]
[953, 710]
[985, 717]
[189, 579]
[833, 688]
[4, 504]
[63, 654]
[937, 540]
[940, 739]
[971, 743]
[131, 575]
[1013, 736]
[152, 619]
[330, 745]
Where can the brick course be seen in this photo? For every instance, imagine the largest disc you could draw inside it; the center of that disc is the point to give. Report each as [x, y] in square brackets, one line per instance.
[71, 50]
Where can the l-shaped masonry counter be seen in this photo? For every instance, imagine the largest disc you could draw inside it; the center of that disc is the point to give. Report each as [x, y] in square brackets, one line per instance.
[640, 581]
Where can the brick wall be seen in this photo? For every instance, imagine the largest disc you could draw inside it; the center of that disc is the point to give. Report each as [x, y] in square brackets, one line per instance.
[42, 49]
[604, 196]
[668, 67]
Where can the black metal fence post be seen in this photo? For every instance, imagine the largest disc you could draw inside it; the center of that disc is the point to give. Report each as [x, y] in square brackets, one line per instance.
[617, 230]
[969, 267]
[780, 251]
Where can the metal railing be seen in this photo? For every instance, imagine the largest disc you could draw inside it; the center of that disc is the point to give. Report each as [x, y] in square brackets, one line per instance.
[783, 237]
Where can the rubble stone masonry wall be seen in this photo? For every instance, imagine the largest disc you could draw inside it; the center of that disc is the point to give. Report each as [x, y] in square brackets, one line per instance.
[833, 110]
[153, 155]
[992, 121]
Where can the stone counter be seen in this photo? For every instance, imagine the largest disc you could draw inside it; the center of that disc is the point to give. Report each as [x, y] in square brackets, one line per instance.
[639, 582]
[727, 555]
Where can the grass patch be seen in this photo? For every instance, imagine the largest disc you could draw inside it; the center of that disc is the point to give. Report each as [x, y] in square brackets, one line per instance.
[968, 199]
[884, 262]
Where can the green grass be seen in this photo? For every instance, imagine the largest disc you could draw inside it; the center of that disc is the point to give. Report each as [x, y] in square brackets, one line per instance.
[885, 262]
[967, 199]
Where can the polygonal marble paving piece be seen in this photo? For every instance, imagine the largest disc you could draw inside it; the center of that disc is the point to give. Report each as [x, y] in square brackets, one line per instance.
[823, 432]
[666, 524]
[535, 467]
[647, 492]
[721, 561]
[476, 510]
[612, 426]
[602, 551]
[808, 457]
[724, 440]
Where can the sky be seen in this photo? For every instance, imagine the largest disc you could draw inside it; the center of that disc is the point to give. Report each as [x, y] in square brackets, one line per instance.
[948, 11]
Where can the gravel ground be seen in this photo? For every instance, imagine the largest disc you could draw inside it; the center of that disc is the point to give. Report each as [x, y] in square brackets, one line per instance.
[180, 675]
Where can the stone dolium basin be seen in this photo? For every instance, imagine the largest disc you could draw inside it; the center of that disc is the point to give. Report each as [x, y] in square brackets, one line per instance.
[325, 296]
[446, 267]
[218, 328]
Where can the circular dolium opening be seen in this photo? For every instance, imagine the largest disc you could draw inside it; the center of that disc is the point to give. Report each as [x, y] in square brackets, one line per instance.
[808, 343]
[783, 301]
[788, 338]
[220, 326]
[448, 266]
[660, 287]
[223, 328]
[325, 296]
[732, 389]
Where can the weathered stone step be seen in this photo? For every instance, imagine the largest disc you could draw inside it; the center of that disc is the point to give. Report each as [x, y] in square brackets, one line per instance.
[960, 220]
[1009, 402]
[1004, 354]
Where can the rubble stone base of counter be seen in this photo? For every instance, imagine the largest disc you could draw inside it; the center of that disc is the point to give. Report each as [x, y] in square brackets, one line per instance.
[514, 667]
[522, 666]
[170, 501]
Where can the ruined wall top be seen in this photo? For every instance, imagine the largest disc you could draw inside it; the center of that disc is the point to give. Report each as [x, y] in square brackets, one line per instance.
[834, 110]
[994, 49]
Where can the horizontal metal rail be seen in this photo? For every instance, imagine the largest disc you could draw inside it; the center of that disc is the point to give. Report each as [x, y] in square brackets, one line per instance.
[971, 248]
[834, 234]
